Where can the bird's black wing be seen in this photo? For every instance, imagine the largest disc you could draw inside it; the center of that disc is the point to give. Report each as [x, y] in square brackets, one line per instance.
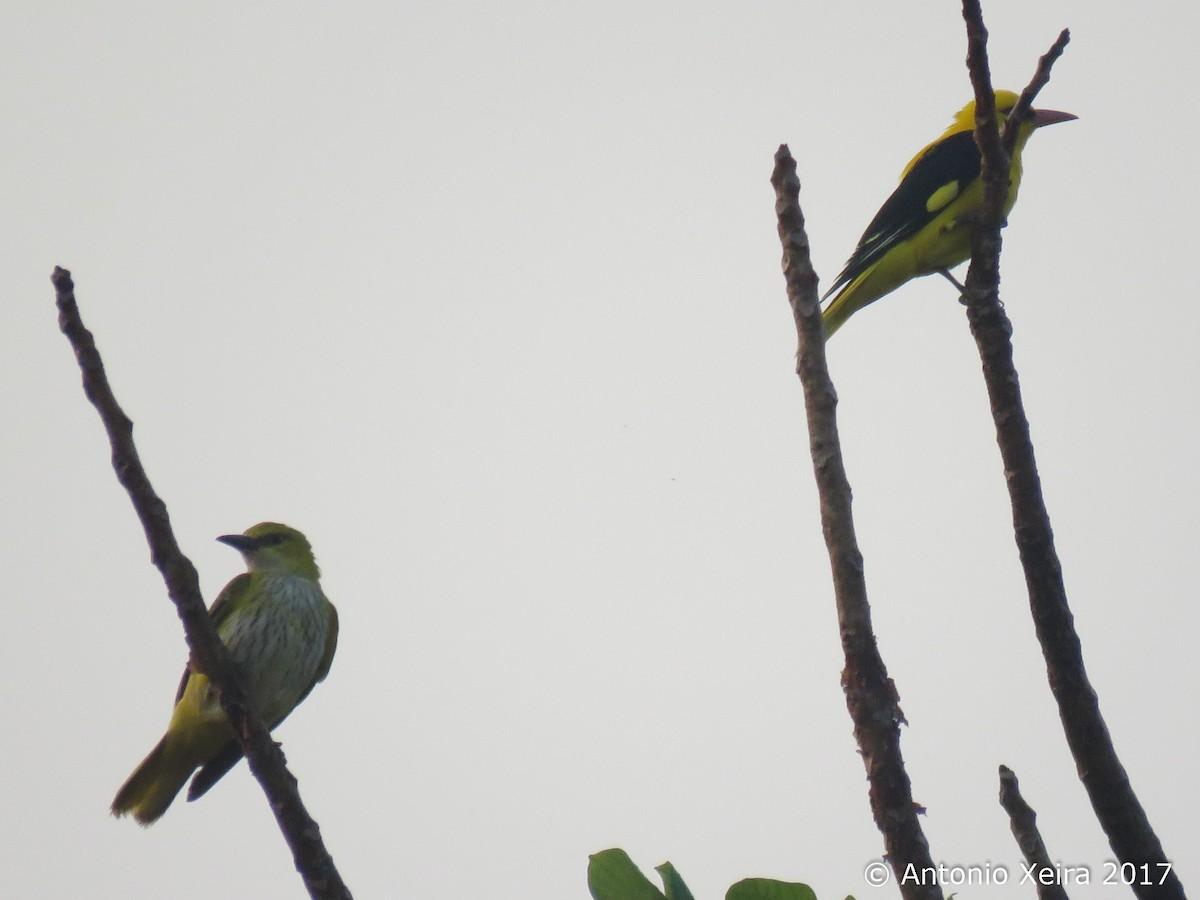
[954, 160]
[213, 770]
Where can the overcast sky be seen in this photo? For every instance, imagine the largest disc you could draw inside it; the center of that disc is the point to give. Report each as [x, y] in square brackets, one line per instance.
[485, 298]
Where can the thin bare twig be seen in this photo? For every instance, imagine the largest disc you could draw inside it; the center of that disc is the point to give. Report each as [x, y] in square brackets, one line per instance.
[870, 693]
[1023, 822]
[1040, 79]
[208, 654]
[1116, 805]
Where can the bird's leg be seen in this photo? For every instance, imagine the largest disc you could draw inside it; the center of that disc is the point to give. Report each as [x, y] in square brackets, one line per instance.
[962, 291]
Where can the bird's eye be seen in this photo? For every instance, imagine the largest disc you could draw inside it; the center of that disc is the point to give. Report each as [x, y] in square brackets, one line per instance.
[272, 540]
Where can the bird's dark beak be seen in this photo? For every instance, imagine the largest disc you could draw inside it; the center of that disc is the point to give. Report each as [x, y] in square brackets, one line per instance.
[238, 541]
[1050, 117]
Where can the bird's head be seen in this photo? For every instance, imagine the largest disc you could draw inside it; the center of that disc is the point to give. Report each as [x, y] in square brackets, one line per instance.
[276, 549]
[1007, 100]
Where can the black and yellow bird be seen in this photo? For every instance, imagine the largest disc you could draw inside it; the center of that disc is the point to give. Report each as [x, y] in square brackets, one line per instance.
[925, 226]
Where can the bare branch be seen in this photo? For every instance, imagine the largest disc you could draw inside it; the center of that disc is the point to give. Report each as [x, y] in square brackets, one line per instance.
[1112, 797]
[870, 694]
[208, 654]
[1040, 79]
[986, 237]
[1023, 821]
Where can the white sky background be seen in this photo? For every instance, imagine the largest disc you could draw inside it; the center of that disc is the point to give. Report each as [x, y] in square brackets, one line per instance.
[486, 299]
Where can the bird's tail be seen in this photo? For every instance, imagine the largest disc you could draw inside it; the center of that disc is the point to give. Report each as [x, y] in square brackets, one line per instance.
[153, 785]
[864, 289]
[835, 315]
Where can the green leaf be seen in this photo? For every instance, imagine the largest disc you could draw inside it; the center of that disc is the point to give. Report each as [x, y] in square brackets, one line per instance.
[676, 889]
[613, 876]
[769, 889]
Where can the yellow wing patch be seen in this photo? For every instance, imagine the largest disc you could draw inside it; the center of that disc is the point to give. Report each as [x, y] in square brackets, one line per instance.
[942, 196]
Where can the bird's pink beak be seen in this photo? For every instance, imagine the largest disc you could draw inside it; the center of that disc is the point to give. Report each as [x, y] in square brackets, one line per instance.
[1050, 117]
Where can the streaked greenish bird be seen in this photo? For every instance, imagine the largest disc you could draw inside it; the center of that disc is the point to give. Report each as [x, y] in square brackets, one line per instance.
[281, 631]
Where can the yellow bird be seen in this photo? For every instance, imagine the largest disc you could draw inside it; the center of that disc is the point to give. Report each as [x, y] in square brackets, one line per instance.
[925, 226]
[281, 631]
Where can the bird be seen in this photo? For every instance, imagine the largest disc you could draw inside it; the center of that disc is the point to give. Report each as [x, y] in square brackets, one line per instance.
[281, 632]
[925, 225]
